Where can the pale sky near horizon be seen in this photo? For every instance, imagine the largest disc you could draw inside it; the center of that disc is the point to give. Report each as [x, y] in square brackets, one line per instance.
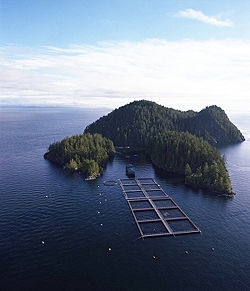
[184, 54]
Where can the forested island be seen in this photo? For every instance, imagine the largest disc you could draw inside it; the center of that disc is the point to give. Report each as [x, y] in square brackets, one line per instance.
[195, 159]
[176, 141]
[138, 123]
[86, 153]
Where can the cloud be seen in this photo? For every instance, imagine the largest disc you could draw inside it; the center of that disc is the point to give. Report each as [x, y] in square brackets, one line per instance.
[199, 15]
[181, 74]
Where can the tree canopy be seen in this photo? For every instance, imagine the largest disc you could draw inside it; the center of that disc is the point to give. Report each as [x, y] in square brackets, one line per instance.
[137, 123]
[85, 153]
[176, 141]
[188, 155]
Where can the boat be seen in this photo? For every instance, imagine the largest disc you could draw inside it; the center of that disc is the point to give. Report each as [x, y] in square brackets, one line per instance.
[130, 172]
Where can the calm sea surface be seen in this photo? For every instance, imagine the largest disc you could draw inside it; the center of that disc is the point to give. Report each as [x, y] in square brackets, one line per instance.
[39, 203]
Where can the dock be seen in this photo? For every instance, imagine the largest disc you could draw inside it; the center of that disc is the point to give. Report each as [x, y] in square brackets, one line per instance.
[154, 211]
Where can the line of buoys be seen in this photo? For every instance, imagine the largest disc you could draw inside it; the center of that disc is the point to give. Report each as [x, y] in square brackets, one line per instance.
[186, 252]
[101, 224]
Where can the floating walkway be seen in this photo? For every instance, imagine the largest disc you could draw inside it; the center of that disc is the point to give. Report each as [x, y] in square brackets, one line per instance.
[155, 213]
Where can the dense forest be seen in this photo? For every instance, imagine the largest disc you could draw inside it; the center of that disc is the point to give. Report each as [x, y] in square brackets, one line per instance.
[85, 153]
[137, 123]
[188, 155]
[176, 141]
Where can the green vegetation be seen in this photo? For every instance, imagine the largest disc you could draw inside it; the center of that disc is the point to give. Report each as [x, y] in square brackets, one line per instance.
[138, 123]
[178, 142]
[85, 153]
[188, 155]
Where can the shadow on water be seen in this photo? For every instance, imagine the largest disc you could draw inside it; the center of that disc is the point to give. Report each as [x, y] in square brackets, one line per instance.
[175, 179]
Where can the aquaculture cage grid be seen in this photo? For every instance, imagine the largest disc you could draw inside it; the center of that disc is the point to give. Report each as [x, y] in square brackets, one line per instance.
[154, 211]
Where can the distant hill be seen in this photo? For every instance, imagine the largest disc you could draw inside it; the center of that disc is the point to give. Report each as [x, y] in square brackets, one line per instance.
[137, 123]
[213, 125]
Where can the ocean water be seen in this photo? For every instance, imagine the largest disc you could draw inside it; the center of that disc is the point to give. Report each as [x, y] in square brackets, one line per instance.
[51, 236]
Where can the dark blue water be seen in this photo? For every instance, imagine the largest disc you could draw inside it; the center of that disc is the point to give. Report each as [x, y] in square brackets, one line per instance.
[39, 203]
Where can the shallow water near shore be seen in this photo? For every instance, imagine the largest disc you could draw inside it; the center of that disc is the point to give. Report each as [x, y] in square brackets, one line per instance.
[56, 229]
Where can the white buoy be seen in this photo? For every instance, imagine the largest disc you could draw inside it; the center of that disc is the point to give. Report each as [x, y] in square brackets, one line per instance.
[110, 249]
[46, 196]
[43, 242]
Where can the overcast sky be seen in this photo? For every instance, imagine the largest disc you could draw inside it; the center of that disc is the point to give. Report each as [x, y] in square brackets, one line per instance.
[182, 54]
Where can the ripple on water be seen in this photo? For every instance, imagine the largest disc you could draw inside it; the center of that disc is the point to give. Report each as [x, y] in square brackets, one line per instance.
[75, 251]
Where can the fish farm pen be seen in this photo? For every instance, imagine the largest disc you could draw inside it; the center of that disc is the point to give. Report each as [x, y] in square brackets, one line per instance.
[155, 213]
